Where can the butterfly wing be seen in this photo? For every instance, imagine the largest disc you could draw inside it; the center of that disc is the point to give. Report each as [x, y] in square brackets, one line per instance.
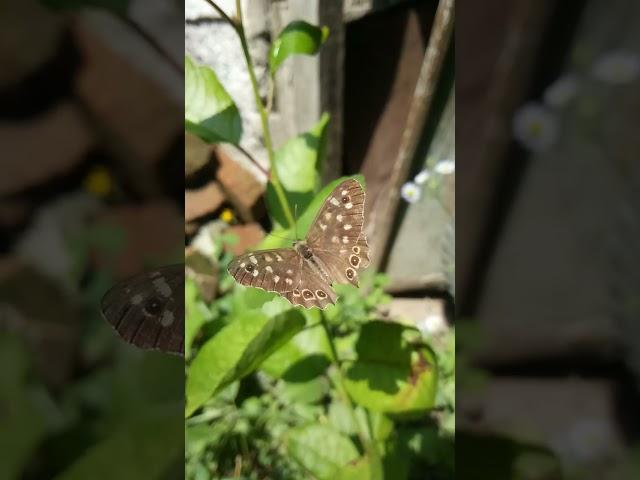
[278, 270]
[147, 310]
[336, 236]
[311, 290]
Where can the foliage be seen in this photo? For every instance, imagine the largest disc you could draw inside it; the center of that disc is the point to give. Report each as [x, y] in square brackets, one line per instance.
[277, 391]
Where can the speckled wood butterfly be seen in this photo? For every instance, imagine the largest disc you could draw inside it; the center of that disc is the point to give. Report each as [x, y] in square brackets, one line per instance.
[147, 310]
[333, 252]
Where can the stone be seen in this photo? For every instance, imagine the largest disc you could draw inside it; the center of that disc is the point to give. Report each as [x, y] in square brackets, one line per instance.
[249, 236]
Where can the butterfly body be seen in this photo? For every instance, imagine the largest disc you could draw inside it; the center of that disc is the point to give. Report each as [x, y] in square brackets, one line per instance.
[333, 251]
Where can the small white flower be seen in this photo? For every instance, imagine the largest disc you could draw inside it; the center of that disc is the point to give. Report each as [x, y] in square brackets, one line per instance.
[410, 192]
[535, 127]
[445, 167]
[617, 68]
[422, 177]
[561, 92]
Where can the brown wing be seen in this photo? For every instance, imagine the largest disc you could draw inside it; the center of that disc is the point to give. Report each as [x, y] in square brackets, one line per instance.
[277, 270]
[311, 290]
[147, 310]
[336, 236]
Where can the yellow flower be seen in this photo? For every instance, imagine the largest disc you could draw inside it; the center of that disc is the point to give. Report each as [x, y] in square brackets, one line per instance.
[227, 215]
[99, 181]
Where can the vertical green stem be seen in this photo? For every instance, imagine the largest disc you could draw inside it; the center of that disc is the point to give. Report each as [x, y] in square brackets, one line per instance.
[369, 445]
[275, 180]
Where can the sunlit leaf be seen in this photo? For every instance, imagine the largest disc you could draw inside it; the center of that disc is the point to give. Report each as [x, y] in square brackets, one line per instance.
[209, 111]
[298, 163]
[237, 350]
[297, 38]
[321, 450]
[391, 374]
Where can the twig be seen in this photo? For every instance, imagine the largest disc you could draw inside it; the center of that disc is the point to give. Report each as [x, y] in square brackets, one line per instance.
[130, 22]
[253, 160]
[222, 14]
[422, 99]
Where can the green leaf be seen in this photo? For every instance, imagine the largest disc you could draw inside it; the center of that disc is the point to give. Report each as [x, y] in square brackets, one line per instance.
[119, 7]
[358, 470]
[298, 163]
[304, 357]
[237, 350]
[195, 315]
[145, 447]
[23, 426]
[320, 449]
[209, 111]
[297, 38]
[391, 374]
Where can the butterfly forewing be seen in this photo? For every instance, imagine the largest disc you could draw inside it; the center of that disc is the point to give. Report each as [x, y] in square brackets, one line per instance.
[148, 310]
[336, 236]
[277, 270]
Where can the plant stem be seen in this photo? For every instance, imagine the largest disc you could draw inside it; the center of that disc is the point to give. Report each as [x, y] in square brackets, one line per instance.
[369, 445]
[266, 132]
[222, 14]
[136, 27]
[275, 179]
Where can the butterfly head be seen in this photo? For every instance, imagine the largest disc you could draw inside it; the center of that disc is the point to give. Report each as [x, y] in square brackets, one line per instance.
[302, 249]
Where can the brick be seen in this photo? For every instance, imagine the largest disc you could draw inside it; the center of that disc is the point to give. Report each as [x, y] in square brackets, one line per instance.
[202, 201]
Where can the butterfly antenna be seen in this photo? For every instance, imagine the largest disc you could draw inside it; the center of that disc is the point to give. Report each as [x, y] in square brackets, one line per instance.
[295, 219]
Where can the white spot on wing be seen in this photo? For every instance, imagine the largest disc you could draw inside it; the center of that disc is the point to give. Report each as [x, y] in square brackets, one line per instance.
[347, 227]
[268, 258]
[339, 217]
[137, 299]
[253, 259]
[288, 281]
[348, 206]
[243, 264]
[290, 272]
[344, 192]
[322, 226]
[162, 286]
[334, 202]
[327, 216]
[269, 269]
[345, 239]
[255, 272]
[278, 257]
[335, 239]
[276, 278]
[167, 318]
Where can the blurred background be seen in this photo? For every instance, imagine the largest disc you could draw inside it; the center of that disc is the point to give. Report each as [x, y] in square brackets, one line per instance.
[547, 239]
[91, 102]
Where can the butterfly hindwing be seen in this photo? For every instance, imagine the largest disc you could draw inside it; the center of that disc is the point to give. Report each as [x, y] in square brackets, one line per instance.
[147, 310]
[277, 270]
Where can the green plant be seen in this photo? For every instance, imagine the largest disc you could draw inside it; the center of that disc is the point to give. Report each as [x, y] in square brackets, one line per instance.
[276, 391]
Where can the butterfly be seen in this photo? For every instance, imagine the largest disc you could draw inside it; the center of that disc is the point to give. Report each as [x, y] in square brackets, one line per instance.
[147, 310]
[334, 250]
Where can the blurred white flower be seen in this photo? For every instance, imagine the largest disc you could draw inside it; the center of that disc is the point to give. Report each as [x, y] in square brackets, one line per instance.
[535, 126]
[410, 192]
[586, 441]
[445, 167]
[618, 67]
[422, 177]
[561, 92]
